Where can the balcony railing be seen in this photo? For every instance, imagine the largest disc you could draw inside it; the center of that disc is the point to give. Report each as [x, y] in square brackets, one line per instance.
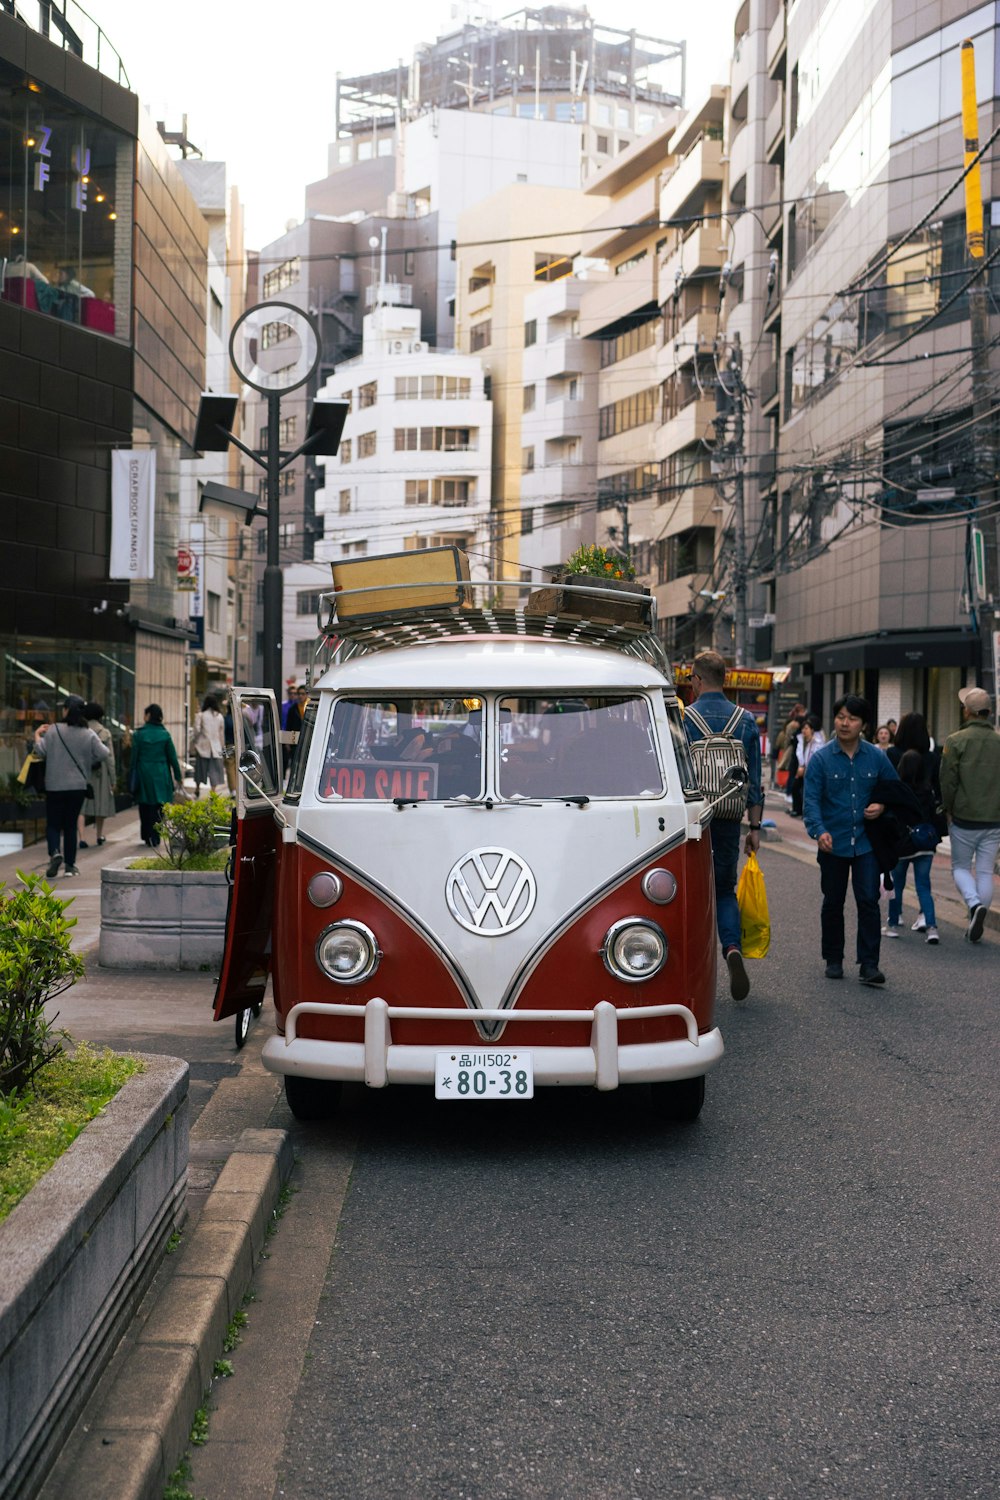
[67, 25]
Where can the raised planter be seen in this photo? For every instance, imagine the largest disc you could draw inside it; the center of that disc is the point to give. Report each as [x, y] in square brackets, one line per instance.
[162, 919]
[76, 1257]
[623, 601]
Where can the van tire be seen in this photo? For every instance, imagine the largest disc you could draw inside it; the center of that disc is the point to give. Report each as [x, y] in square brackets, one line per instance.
[312, 1098]
[679, 1103]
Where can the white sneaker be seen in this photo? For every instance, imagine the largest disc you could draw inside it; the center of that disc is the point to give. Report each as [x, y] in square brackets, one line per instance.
[890, 931]
[932, 935]
[920, 925]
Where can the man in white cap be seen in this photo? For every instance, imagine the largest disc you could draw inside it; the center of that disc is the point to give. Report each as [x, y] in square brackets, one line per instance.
[970, 792]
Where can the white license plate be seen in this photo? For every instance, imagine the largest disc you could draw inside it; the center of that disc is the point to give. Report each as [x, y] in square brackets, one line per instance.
[483, 1075]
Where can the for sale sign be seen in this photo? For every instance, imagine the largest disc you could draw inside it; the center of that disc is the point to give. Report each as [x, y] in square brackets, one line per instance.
[381, 780]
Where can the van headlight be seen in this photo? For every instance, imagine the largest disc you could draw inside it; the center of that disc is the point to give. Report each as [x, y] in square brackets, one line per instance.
[348, 952]
[634, 949]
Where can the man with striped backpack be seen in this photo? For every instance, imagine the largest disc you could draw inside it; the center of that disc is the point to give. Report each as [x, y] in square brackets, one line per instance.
[722, 735]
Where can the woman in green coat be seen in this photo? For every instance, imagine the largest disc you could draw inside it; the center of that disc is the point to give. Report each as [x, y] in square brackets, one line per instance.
[153, 772]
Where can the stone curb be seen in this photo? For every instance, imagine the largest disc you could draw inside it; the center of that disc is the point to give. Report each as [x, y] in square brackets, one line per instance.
[141, 1432]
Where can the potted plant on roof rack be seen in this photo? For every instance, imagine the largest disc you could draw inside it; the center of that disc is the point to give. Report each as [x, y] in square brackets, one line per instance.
[602, 568]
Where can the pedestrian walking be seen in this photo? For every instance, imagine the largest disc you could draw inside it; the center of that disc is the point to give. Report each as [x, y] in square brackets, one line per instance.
[209, 736]
[154, 772]
[970, 794]
[712, 713]
[837, 808]
[811, 738]
[70, 751]
[102, 804]
[914, 772]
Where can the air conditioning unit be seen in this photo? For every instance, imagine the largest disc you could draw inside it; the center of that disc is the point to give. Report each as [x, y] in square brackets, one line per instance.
[398, 346]
[418, 347]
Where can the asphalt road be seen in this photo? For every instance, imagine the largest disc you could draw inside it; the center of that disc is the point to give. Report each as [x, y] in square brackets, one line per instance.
[795, 1297]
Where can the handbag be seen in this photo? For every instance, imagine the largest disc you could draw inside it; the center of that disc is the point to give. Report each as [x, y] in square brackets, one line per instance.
[755, 919]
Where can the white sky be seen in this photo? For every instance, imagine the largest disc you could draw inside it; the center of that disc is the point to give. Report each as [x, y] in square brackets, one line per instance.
[256, 80]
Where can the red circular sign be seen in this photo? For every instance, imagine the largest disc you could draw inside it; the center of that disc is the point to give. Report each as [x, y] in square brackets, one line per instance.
[185, 561]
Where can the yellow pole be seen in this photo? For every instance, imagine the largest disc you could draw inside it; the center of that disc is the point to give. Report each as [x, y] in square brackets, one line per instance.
[970, 129]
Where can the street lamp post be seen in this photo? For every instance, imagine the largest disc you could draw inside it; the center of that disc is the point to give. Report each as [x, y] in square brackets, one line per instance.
[274, 347]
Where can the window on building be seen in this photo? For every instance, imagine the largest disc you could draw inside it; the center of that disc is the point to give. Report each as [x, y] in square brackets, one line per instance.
[631, 411]
[287, 274]
[529, 398]
[259, 591]
[213, 610]
[630, 262]
[306, 602]
[259, 643]
[366, 445]
[527, 459]
[409, 263]
[481, 277]
[632, 341]
[304, 652]
[385, 145]
[550, 266]
[345, 450]
[530, 333]
[480, 335]
[345, 153]
[364, 151]
[286, 533]
[436, 439]
[367, 394]
[433, 387]
[604, 114]
[573, 389]
[418, 492]
[214, 313]
[690, 552]
[527, 521]
[563, 111]
[453, 492]
[345, 502]
[287, 429]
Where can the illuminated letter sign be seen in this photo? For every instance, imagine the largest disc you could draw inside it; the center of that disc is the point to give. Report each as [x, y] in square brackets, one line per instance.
[81, 166]
[43, 164]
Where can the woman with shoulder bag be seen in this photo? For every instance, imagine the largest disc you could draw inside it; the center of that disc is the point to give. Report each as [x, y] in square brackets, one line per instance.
[154, 772]
[70, 751]
[102, 804]
[914, 772]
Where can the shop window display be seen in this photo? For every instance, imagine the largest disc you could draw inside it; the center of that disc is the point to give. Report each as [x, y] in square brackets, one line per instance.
[65, 207]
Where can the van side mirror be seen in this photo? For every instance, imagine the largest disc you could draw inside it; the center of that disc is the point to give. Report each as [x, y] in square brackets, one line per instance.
[252, 767]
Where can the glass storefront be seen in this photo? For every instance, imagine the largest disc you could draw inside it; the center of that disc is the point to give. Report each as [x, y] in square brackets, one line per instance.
[36, 675]
[65, 208]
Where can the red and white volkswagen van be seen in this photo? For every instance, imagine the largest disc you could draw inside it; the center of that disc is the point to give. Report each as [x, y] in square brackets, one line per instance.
[488, 872]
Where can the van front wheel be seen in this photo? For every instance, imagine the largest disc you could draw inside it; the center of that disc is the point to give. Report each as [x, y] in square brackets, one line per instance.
[679, 1103]
[312, 1098]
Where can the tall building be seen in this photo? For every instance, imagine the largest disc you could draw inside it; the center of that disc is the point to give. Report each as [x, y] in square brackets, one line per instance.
[884, 455]
[102, 325]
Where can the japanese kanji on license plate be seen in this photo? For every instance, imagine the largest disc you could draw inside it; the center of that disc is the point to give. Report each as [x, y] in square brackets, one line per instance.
[483, 1075]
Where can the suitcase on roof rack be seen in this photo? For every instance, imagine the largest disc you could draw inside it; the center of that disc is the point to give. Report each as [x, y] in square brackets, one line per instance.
[444, 567]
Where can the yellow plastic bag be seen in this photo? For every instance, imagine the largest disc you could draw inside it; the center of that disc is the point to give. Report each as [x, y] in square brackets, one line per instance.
[755, 920]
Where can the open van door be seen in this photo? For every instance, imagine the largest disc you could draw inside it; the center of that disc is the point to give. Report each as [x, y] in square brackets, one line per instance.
[246, 961]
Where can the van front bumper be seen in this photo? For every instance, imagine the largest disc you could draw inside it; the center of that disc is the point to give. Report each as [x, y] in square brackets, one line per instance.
[606, 1063]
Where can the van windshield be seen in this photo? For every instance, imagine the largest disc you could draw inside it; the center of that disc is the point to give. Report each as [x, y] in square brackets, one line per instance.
[421, 749]
[562, 746]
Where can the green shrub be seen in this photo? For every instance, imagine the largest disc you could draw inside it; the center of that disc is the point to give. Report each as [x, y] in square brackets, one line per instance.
[193, 828]
[36, 964]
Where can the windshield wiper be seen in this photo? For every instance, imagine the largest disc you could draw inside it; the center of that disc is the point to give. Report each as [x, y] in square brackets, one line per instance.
[400, 802]
[578, 799]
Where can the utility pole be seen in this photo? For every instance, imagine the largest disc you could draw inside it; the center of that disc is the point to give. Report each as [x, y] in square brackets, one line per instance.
[730, 400]
[982, 420]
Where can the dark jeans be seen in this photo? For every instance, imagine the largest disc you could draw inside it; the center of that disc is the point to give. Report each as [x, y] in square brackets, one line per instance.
[61, 812]
[149, 815]
[725, 838]
[863, 874]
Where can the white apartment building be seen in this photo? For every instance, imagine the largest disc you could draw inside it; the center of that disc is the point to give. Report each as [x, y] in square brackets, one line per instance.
[413, 469]
[558, 429]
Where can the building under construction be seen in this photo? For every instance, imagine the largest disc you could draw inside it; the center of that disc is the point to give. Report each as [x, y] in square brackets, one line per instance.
[544, 62]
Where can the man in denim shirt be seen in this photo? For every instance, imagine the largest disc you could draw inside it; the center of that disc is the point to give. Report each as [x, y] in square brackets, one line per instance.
[708, 676]
[836, 807]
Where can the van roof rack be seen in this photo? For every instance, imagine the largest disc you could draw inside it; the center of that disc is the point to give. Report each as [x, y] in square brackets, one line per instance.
[497, 607]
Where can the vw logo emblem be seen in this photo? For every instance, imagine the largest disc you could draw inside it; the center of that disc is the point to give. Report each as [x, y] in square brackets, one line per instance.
[490, 891]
